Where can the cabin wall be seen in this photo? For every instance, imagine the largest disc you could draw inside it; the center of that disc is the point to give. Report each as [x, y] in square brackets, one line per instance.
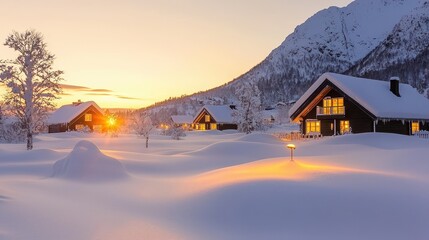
[359, 120]
[394, 126]
[227, 126]
[201, 123]
[56, 128]
[97, 119]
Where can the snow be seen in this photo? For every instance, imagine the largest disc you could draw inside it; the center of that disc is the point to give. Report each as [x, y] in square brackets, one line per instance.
[376, 97]
[221, 113]
[87, 163]
[182, 119]
[215, 185]
[66, 113]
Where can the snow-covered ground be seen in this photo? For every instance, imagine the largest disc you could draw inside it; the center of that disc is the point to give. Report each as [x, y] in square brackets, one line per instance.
[215, 185]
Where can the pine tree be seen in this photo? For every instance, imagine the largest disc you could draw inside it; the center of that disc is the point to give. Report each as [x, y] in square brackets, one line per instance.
[248, 115]
[31, 81]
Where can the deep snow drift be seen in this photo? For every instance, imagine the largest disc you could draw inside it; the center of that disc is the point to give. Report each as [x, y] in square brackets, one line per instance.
[216, 185]
[87, 163]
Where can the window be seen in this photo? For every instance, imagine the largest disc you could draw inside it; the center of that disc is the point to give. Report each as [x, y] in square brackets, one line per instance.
[79, 127]
[332, 106]
[202, 127]
[312, 125]
[213, 126]
[415, 127]
[88, 117]
[207, 118]
[344, 126]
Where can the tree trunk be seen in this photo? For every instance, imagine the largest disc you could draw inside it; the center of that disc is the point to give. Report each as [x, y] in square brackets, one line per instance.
[29, 140]
[147, 141]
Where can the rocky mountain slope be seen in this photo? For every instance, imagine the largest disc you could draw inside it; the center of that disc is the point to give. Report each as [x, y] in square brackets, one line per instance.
[373, 38]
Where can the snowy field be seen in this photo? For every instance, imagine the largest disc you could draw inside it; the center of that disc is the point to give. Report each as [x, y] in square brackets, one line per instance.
[215, 185]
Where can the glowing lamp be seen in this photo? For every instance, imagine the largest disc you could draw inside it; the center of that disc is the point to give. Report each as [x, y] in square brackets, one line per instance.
[291, 147]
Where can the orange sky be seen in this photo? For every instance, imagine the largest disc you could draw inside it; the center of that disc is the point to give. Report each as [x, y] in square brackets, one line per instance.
[131, 53]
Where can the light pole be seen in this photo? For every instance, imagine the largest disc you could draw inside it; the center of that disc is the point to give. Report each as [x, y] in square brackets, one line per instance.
[291, 147]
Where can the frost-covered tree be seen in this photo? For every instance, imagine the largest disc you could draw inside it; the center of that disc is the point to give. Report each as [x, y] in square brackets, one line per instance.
[176, 132]
[31, 81]
[248, 115]
[142, 125]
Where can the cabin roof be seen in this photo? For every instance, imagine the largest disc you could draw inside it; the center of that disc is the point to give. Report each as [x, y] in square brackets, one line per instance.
[221, 113]
[182, 119]
[67, 113]
[375, 96]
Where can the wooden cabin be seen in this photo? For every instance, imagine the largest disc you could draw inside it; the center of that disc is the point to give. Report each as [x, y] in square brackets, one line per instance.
[77, 116]
[211, 117]
[184, 121]
[339, 104]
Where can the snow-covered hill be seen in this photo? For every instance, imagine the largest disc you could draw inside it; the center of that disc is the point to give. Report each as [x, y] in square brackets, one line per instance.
[403, 52]
[365, 36]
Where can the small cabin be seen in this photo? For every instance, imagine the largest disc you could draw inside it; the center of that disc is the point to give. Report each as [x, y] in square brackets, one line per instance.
[211, 117]
[339, 104]
[184, 121]
[77, 116]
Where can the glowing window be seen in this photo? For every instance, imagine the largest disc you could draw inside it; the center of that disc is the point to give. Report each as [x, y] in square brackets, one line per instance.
[415, 127]
[213, 126]
[312, 125]
[333, 106]
[88, 117]
[207, 118]
[344, 126]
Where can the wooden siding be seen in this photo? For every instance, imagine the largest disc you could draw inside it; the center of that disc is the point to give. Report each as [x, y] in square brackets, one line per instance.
[97, 119]
[200, 120]
[359, 120]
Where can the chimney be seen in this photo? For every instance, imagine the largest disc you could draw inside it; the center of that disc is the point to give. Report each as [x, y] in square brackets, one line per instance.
[394, 86]
[77, 103]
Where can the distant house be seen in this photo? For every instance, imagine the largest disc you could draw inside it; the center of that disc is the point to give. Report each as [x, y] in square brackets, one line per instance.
[77, 116]
[184, 121]
[338, 104]
[211, 117]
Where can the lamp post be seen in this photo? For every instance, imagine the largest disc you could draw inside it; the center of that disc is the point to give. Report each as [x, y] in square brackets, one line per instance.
[291, 147]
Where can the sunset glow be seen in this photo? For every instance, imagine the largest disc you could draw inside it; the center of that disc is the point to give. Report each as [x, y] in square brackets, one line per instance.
[130, 54]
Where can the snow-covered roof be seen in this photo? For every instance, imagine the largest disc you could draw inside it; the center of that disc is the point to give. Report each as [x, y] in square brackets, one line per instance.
[182, 119]
[375, 96]
[66, 113]
[221, 113]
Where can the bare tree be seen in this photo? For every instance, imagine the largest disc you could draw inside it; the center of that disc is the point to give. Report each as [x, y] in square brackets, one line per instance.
[142, 125]
[31, 81]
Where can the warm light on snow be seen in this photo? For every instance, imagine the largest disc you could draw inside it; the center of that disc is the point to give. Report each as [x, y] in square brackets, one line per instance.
[214, 185]
[269, 169]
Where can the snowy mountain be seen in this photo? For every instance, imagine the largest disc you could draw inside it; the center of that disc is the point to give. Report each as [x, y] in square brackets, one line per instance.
[403, 53]
[366, 38]
[333, 40]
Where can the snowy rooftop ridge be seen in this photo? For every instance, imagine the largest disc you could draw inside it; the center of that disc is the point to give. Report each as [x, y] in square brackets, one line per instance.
[375, 96]
[182, 119]
[68, 112]
[221, 113]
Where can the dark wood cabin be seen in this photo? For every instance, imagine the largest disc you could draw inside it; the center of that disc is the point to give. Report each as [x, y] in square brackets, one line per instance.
[77, 117]
[183, 121]
[214, 118]
[337, 104]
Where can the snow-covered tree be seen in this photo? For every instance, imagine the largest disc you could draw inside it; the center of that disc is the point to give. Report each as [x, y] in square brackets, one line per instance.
[142, 125]
[248, 115]
[31, 81]
[176, 132]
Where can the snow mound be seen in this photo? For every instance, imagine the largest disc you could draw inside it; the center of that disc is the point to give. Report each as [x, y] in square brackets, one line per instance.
[87, 163]
[379, 140]
[259, 138]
